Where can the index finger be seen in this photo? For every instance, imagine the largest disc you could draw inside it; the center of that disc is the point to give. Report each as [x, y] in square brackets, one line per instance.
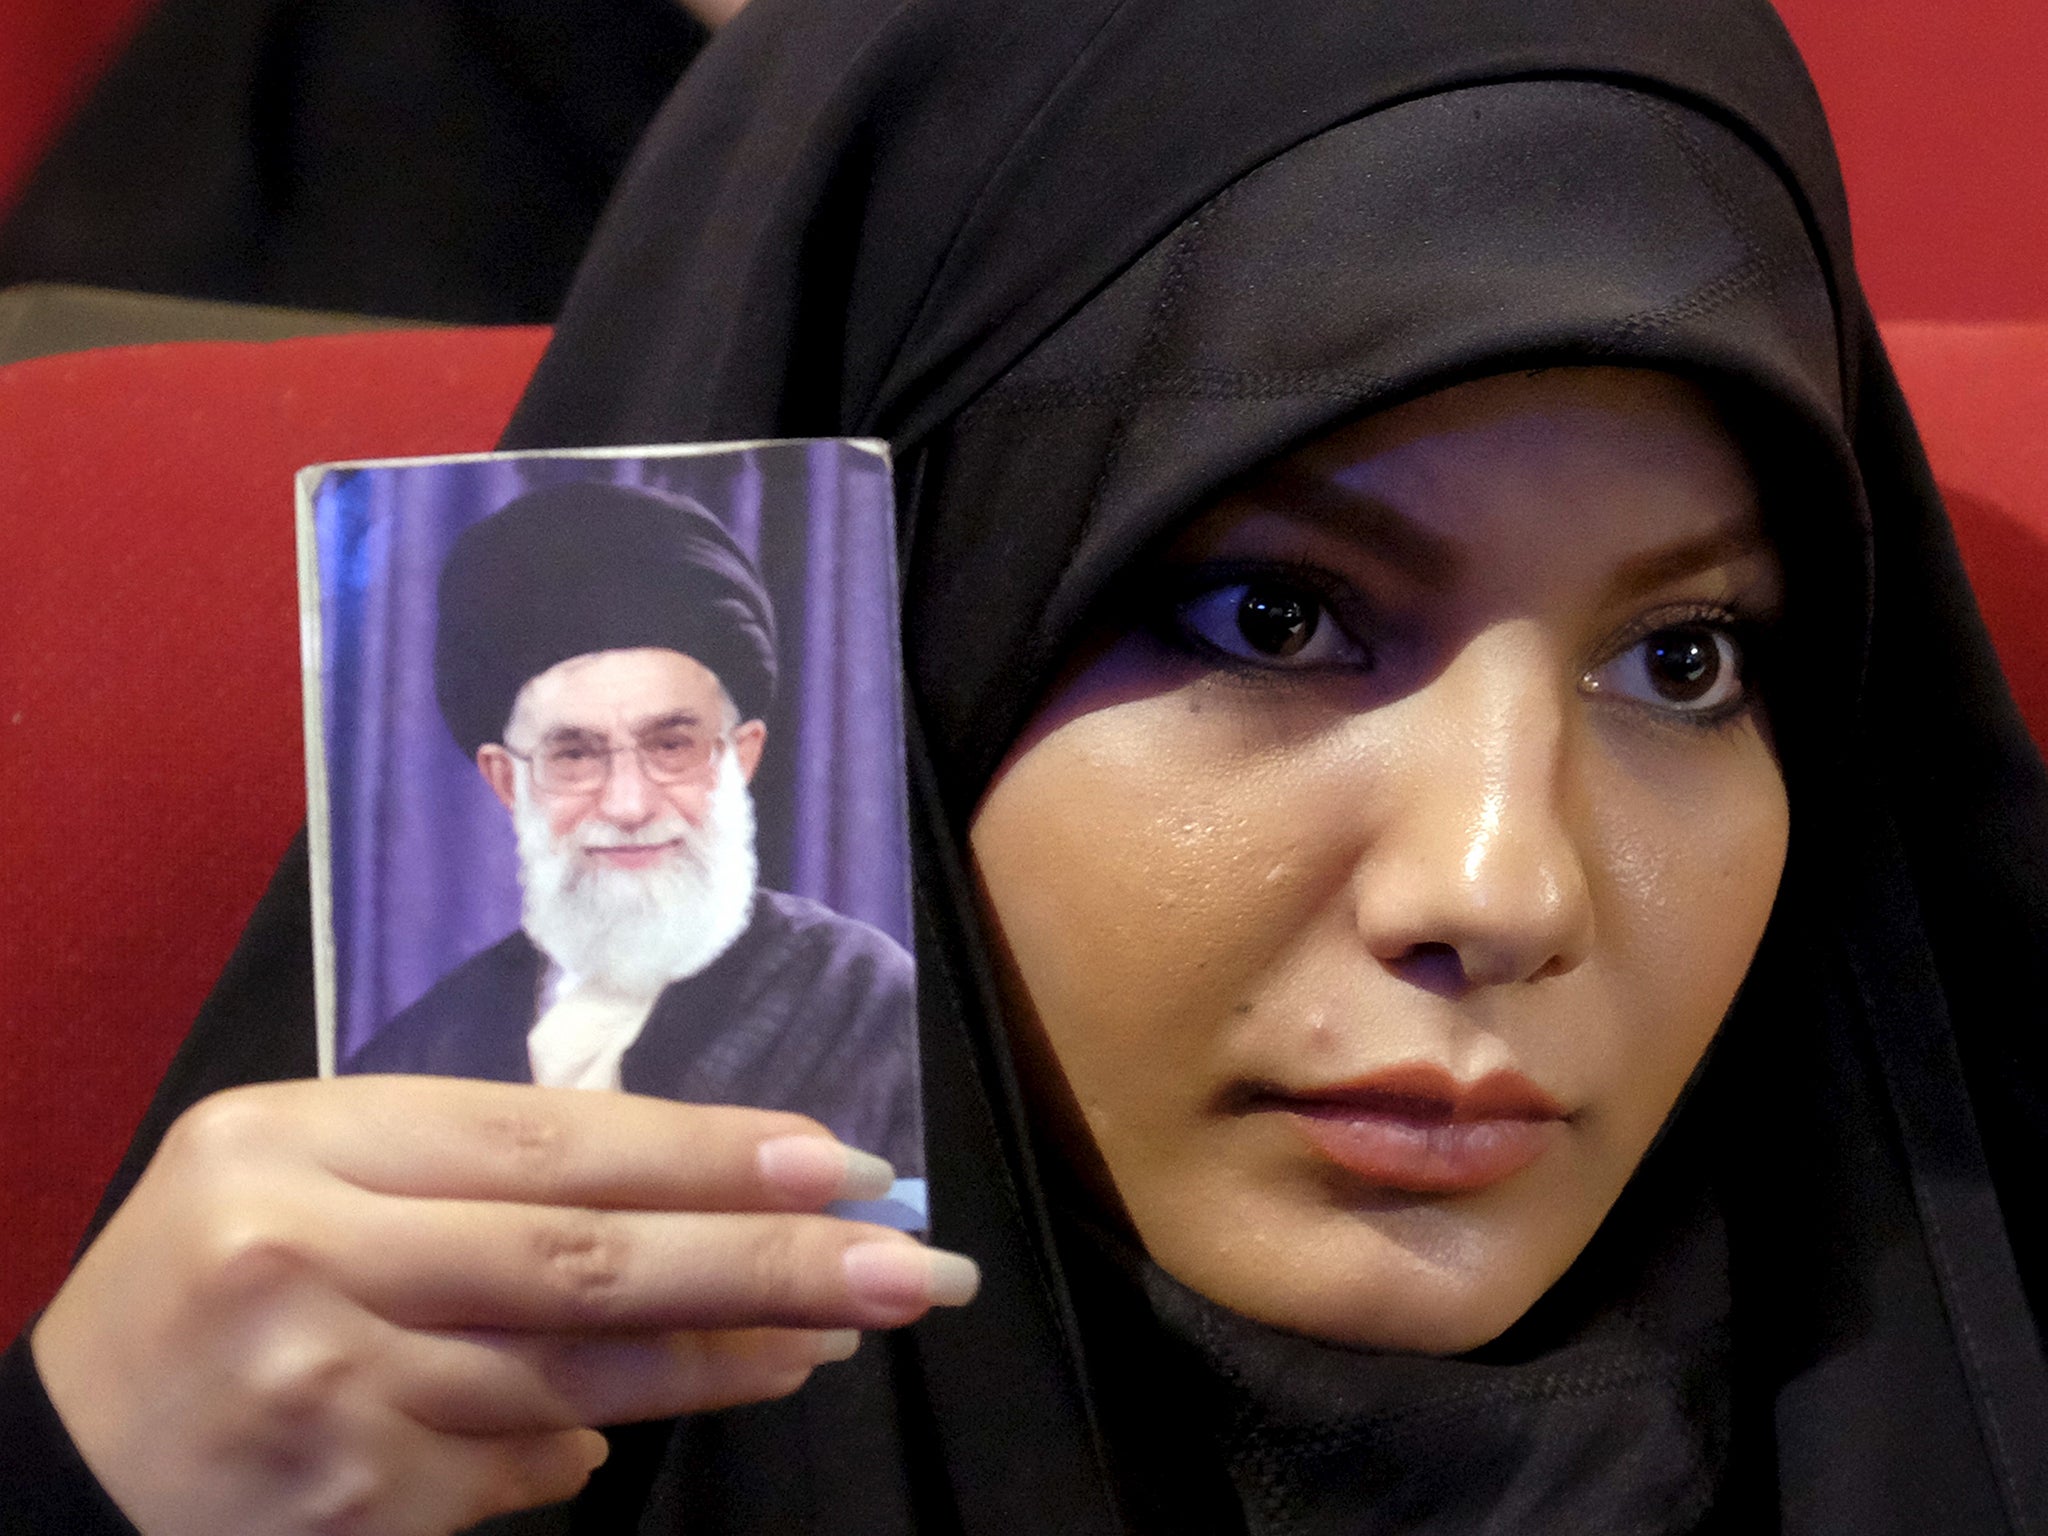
[455, 1138]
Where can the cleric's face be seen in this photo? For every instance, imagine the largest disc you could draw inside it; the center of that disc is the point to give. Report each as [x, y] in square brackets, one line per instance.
[621, 740]
[626, 775]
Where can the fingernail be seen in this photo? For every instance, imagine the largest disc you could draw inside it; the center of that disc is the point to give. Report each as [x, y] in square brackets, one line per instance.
[908, 1274]
[955, 1278]
[817, 1169]
[868, 1177]
[835, 1344]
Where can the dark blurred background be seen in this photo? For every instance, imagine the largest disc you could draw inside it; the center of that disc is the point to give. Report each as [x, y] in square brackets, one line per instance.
[431, 159]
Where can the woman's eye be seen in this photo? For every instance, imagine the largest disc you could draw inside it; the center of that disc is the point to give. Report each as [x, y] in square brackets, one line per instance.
[1270, 620]
[1693, 669]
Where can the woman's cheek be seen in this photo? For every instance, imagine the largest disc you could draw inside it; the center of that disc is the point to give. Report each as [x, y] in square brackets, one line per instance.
[1144, 864]
[1688, 851]
[1066, 853]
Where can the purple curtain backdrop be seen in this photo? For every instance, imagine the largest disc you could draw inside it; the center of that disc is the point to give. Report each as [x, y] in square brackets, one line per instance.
[423, 868]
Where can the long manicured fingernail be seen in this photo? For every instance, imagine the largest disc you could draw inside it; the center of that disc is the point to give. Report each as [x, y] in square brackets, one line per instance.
[955, 1278]
[835, 1344]
[814, 1168]
[868, 1177]
[908, 1274]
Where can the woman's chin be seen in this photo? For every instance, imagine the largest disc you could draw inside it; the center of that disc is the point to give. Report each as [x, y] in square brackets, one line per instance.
[1432, 1274]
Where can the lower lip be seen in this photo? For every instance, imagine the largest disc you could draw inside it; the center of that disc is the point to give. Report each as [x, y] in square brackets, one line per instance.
[1420, 1156]
[635, 857]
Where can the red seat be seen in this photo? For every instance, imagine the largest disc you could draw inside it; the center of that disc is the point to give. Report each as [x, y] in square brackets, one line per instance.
[51, 52]
[1980, 395]
[149, 687]
[151, 769]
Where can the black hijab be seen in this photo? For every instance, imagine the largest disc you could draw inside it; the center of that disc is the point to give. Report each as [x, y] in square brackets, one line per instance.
[1082, 262]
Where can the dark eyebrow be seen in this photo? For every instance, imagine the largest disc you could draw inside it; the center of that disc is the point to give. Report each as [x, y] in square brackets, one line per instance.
[1655, 568]
[1292, 490]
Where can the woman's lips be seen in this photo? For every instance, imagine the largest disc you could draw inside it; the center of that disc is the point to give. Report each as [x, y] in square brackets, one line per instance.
[1417, 1129]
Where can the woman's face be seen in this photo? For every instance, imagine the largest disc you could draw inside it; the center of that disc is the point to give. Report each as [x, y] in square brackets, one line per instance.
[1372, 885]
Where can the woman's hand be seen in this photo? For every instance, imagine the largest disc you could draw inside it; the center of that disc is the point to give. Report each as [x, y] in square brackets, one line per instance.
[396, 1305]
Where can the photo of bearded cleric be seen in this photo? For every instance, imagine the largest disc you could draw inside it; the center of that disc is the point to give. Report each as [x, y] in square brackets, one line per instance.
[677, 729]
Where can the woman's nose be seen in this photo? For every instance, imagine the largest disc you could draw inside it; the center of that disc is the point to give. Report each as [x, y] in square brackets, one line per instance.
[1477, 874]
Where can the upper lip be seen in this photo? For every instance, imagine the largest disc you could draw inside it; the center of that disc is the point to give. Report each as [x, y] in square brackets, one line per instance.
[1426, 1092]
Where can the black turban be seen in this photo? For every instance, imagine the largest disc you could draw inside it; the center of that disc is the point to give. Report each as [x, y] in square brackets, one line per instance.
[587, 567]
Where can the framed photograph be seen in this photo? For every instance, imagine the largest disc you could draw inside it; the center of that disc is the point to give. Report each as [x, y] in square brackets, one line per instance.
[605, 768]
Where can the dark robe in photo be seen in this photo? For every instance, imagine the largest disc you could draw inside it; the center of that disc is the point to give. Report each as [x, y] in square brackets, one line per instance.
[807, 1010]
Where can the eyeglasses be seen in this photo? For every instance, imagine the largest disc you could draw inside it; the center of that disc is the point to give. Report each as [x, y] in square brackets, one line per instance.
[582, 765]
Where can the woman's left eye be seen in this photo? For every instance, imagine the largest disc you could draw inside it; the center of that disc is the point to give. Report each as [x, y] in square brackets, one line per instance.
[1269, 620]
[1688, 669]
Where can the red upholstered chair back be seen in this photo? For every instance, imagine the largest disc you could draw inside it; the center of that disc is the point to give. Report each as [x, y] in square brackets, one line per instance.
[1980, 395]
[51, 51]
[150, 761]
[151, 770]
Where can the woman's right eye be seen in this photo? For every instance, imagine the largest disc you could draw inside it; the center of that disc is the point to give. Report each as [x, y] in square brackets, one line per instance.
[1270, 621]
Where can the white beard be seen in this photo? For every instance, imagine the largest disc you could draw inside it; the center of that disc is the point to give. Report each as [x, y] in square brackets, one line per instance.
[633, 931]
